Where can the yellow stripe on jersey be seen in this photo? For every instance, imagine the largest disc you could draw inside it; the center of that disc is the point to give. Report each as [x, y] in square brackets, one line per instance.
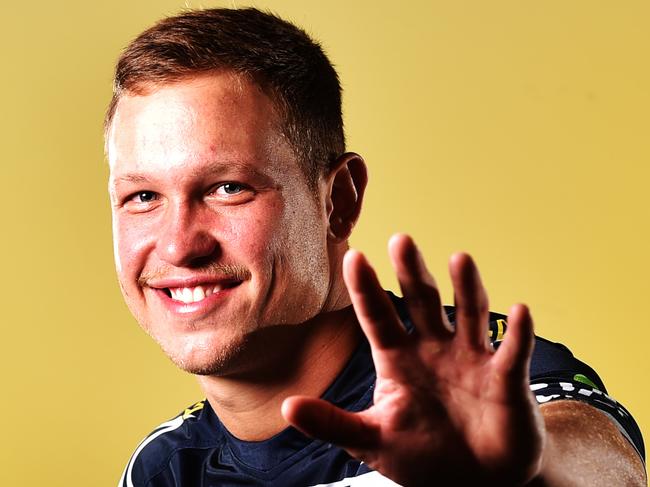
[501, 324]
[192, 409]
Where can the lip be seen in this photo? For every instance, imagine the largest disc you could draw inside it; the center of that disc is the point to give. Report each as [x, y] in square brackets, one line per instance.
[199, 308]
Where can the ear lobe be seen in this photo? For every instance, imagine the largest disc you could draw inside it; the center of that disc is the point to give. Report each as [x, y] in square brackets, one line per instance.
[348, 179]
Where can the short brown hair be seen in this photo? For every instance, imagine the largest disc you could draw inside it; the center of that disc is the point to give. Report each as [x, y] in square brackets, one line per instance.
[280, 57]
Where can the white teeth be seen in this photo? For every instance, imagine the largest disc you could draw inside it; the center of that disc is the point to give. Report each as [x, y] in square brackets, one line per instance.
[198, 294]
[193, 295]
[187, 295]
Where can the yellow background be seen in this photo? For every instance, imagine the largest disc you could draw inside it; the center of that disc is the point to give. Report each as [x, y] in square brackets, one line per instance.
[516, 130]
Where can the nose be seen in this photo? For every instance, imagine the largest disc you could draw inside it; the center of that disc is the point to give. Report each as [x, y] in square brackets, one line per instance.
[185, 238]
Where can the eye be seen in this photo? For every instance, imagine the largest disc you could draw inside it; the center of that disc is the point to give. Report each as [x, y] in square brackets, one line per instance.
[229, 188]
[144, 197]
[231, 193]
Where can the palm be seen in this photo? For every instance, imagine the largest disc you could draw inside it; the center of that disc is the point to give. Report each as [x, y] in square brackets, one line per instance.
[446, 407]
[458, 419]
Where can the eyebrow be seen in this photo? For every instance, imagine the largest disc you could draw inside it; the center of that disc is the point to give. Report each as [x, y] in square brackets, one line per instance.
[132, 178]
[211, 168]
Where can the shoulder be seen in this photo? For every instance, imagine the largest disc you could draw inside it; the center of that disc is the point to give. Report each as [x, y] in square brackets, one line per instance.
[556, 374]
[187, 430]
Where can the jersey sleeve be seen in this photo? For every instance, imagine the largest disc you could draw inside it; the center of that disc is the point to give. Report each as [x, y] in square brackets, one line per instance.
[556, 374]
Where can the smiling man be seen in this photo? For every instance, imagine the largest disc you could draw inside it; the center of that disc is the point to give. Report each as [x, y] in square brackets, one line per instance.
[218, 234]
[233, 199]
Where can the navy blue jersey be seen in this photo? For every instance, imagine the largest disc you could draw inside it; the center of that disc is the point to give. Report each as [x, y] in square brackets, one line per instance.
[195, 450]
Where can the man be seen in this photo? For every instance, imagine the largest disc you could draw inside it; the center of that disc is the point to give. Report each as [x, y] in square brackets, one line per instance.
[233, 199]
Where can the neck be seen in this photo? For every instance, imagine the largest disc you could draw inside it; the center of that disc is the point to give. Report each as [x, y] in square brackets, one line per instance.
[306, 359]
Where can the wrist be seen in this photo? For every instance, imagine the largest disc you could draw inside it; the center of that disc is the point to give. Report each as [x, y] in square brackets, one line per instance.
[544, 474]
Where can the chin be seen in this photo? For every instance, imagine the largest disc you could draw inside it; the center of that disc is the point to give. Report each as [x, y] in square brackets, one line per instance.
[203, 354]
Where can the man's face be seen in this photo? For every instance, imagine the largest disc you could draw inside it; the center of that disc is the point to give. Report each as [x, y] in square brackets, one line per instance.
[216, 232]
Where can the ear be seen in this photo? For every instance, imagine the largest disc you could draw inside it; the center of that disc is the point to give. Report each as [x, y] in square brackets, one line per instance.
[346, 184]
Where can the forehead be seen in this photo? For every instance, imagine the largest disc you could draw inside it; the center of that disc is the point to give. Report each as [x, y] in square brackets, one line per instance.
[184, 124]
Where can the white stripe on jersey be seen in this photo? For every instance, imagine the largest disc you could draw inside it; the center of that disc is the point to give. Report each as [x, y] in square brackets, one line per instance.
[164, 428]
[370, 479]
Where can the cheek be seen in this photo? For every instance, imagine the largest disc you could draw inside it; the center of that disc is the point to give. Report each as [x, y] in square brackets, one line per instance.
[251, 230]
[252, 241]
[302, 242]
[129, 246]
[116, 251]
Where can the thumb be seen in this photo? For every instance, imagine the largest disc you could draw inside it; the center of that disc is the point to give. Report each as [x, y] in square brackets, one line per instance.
[322, 420]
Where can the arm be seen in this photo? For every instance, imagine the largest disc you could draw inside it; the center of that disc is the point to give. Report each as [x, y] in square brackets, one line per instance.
[584, 447]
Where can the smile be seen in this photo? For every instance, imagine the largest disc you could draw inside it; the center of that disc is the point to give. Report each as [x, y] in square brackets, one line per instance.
[196, 294]
[193, 294]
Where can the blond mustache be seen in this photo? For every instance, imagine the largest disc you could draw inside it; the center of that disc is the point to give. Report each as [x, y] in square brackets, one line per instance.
[220, 271]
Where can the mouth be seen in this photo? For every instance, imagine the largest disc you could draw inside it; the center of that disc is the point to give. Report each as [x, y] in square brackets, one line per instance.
[195, 294]
[192, 296]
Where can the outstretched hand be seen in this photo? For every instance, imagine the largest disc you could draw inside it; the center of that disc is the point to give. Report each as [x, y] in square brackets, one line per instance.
[447, 407]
